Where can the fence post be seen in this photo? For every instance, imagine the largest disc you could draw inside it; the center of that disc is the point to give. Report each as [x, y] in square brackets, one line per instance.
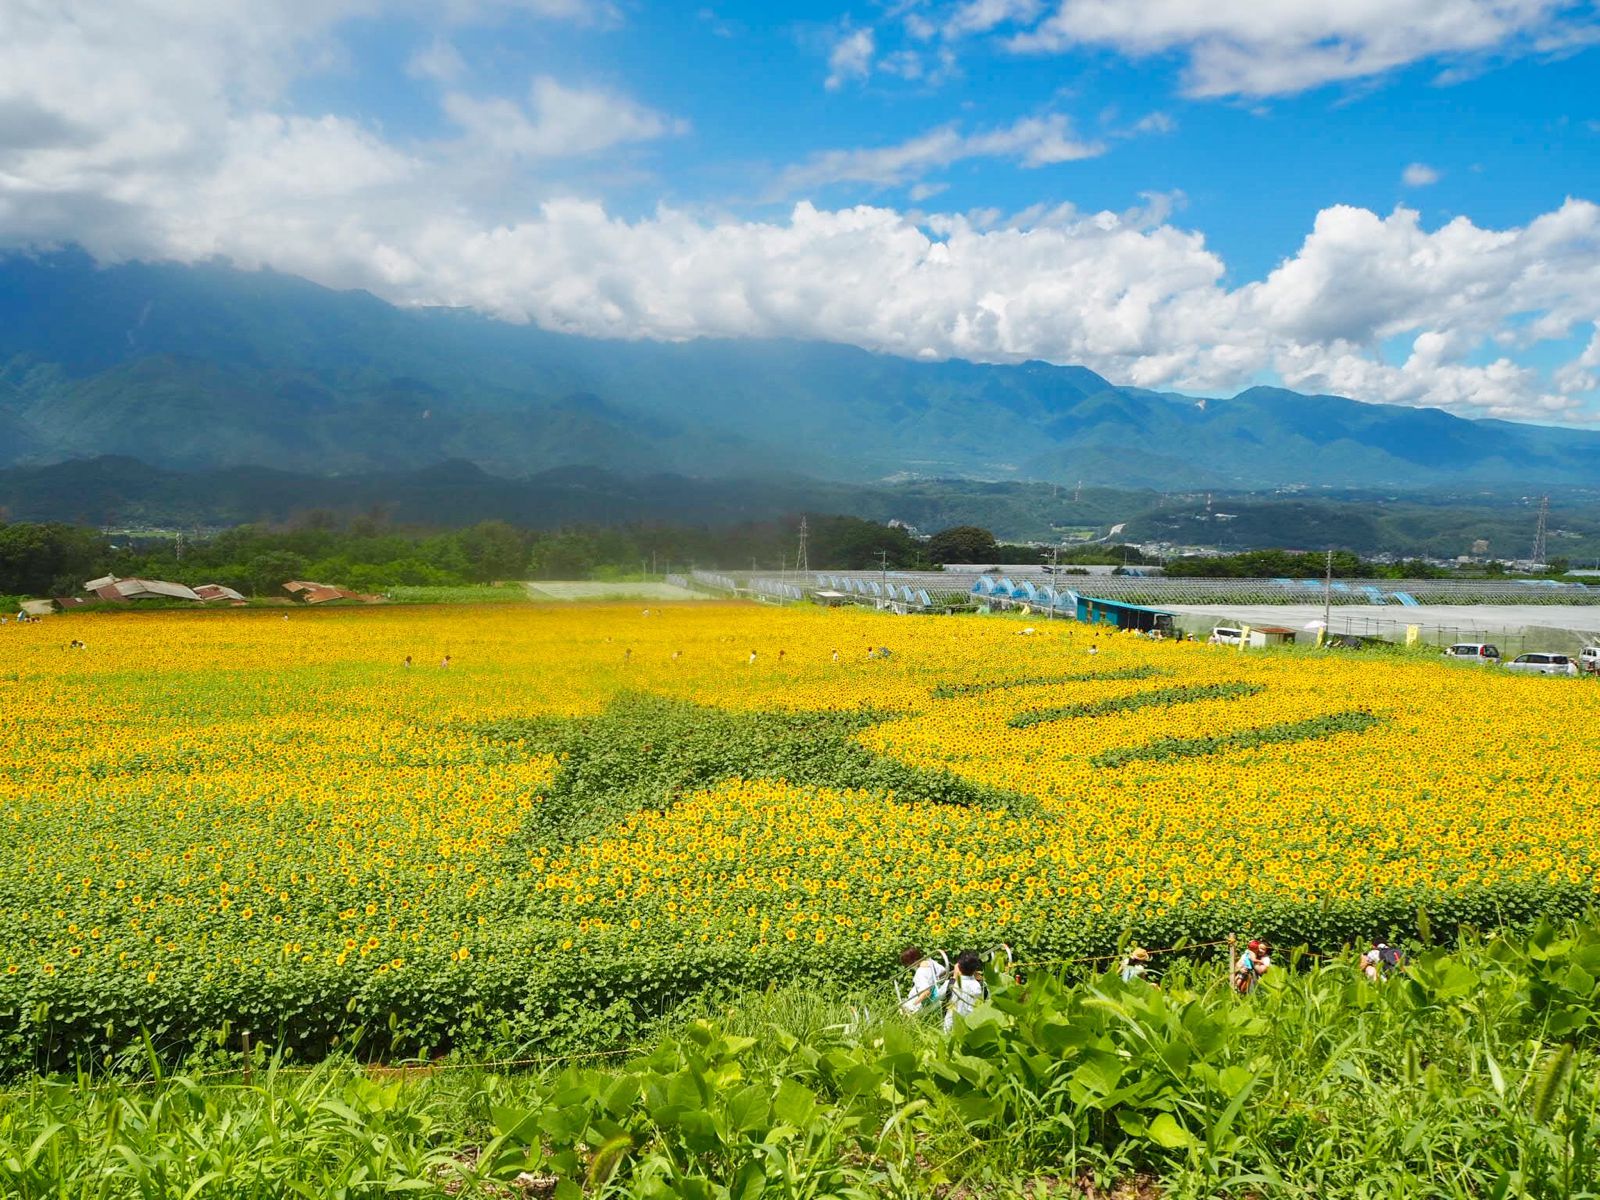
[249, 1065]
[1233, 957]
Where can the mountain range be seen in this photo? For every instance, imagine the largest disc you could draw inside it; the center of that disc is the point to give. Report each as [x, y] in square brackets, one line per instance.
[206, 368]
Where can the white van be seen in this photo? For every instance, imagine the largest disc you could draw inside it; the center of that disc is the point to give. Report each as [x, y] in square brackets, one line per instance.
[1589, 660]
[1232, 635]
[1481, 653]
[1543, 664]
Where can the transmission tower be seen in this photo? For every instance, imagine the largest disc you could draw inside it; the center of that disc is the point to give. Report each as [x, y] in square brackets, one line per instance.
[801, 562]
[1539, 531]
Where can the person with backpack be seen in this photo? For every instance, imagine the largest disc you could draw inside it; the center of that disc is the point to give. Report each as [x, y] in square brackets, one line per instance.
[928, 981]
[1254, 963]
[966, 988]
[1382, 961]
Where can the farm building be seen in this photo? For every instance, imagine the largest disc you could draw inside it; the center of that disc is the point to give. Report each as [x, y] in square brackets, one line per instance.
[1123, 615]
[110, 587]
[308, 592]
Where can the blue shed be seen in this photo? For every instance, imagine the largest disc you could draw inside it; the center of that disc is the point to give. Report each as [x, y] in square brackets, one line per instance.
[1096, 611]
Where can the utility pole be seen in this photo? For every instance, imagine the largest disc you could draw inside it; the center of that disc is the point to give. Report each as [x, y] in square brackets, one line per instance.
[802, 561]
[1327, 595]
[883, 568]
[1539, 532]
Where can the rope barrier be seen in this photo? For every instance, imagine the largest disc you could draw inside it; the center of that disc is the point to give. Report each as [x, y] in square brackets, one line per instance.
[1050, 962]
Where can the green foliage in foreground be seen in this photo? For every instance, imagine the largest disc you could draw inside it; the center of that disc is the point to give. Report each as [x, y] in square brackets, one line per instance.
[1159, 698]
[646, 752]
[1354, 721]
[1472, 1074]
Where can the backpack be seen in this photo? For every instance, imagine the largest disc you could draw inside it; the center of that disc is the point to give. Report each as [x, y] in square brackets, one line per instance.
[1245, 976]
[1390, 960]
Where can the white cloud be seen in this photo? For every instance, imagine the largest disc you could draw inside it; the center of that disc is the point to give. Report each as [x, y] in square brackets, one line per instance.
[1418, 175]
[1244, 47]
[559, 122]
[160, 129]
[850, 59]
[1582, 374]
[1030, 142]
[1156, 122]
[980, 16]
[439, 60]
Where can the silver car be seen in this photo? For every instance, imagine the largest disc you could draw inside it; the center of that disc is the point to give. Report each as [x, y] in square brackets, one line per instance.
[1543, 664]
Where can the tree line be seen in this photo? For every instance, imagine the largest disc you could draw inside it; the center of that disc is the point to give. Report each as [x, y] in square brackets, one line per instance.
[368, 554]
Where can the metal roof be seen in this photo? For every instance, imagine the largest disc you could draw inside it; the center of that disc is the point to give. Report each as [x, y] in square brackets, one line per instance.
[135, 589]
[1124, 604]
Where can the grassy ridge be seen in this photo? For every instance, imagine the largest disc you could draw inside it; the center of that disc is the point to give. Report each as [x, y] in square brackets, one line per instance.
[644, 753]
[954, 691]
[1357, 721]
[1160, 698]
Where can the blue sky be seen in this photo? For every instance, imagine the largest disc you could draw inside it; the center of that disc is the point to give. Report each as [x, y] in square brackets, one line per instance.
[1389, 200]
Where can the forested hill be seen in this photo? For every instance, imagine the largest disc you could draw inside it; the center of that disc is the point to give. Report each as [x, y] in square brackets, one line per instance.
[204, 367]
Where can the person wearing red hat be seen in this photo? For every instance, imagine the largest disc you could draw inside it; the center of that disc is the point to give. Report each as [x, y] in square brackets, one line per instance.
[1255, 962]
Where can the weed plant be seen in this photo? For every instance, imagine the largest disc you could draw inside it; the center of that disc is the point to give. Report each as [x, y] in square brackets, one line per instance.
[1470, 1074]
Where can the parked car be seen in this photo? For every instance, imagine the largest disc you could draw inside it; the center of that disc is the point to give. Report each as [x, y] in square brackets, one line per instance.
[1589, 660]
[1543, 664]
[1481, 653]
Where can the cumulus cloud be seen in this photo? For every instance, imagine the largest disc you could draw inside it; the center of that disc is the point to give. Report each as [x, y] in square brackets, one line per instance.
[161, 129]
[439, 60]
[1030, 142]
[980, 16]
[1419, 175]
[559, 121]
[850, 59]
[1242, 47]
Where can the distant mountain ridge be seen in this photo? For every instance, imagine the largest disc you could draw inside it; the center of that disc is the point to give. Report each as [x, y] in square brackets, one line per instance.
[206, 367]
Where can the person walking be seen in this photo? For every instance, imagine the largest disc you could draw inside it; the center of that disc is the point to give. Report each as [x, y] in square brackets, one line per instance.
[928, 979]
[1381, 961]
[966, 988]
[1253, 964]
[1136, 965]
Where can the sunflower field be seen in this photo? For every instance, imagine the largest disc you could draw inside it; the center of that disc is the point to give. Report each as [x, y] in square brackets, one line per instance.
[411, 829]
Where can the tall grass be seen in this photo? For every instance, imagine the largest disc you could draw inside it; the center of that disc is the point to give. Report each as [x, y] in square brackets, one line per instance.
[1471, 1075]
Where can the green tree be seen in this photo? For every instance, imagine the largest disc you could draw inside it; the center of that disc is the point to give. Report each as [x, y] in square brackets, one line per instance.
[563, 556]
[963, 544]
[37, 560]
[267, 573]
[494, 550]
